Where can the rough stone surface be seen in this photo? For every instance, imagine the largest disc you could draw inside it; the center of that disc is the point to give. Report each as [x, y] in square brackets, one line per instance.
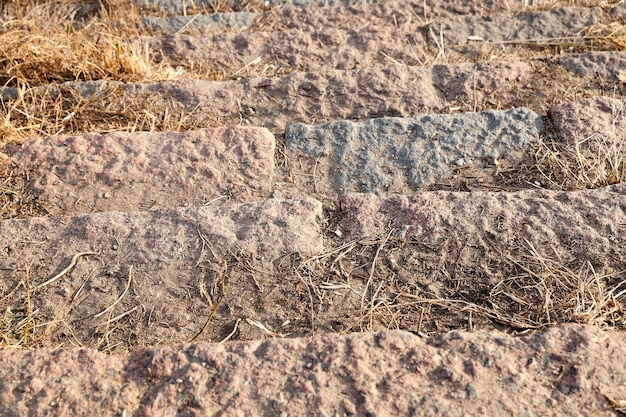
[317, 51]
[596, 123]
[265, 229]
[387, 155]
[168, 255]
[543, 218]
[603, 65]
[368, 93]
[565, 370]
[138, 171]
[199, 23]
[619, 11]
[550, 24]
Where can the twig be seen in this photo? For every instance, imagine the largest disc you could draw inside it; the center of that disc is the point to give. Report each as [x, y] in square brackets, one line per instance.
[213, 310]
[231, 333]
[65, 271]
[371, 276]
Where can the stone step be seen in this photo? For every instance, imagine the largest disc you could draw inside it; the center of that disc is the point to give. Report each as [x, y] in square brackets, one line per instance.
[214, 22]
[602, 65]
[141, 171]
[310, 15]
[172, 260]
[409, 44]
[384, 374]
[400, 155]
[597, 124]
[382, 259]
[582, 225]
[237, 54]
[523, 27]
[313, 98]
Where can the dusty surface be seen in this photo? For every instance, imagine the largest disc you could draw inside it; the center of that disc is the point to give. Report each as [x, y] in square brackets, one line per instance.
[597, 123]
[493, 223]
[141, 171]
[173, 262]
[538, 218]
[568, 370]
[202, 23]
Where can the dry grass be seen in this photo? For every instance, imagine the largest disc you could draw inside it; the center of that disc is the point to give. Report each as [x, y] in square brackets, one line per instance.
[534, 291]
[595, 161]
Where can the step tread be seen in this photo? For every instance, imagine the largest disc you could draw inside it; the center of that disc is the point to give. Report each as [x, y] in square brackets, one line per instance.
[595, 123]
[138, 171]
[266, 230]
[394, 155]
[584, 225]
[527, 26]
[198, 23]
[396, 91]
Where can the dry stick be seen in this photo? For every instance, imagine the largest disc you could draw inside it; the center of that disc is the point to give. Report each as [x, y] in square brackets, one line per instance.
[231, 333]
[116, 318]
[65, 271]
[371, 276]
[28, 306]
[112, 306]
[186, 25]
[311, 301]
[213, 310]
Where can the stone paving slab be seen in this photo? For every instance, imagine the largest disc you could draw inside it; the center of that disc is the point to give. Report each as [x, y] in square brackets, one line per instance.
[395, 91]
[556, 23]
[198, 23]
[317, 51]
[559, 371]
[597, 123]
[586, 225]
[310, 97]
[139, 171]
[368, 93]
[605, 65]
[265, 229]
[390, 154]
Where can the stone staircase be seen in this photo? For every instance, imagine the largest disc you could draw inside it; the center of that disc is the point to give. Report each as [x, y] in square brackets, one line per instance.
[369, 208]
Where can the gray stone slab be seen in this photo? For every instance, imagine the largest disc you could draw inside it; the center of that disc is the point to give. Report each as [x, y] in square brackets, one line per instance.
[619, 11]
[388, 154]
[605, 65]
[569, 21]
[180, 7]
[125, 171]
[199, 23]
